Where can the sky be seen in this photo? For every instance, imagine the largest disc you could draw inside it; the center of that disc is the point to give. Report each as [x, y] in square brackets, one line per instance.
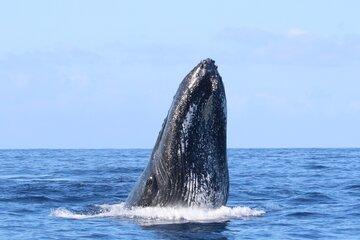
[102, 74]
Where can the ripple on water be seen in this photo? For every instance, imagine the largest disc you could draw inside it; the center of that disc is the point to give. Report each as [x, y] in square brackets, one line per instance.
[306, 214]
[352, 187]
[28, 199]
[312, 197]
[316, 167]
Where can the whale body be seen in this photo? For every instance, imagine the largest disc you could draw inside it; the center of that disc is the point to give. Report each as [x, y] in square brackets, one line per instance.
[188, 165]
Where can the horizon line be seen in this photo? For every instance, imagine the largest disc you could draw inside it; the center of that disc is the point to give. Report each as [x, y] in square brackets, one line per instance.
[142, 148]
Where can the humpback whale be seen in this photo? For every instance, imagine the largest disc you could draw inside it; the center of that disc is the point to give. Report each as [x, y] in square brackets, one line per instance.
[188, 165]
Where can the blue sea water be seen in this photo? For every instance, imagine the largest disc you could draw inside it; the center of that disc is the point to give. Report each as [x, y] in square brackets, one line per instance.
[274, 194]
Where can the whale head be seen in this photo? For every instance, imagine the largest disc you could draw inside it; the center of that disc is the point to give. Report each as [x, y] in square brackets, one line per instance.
[188, 165]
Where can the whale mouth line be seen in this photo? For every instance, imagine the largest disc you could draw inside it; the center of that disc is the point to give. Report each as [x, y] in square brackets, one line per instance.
[162, 215]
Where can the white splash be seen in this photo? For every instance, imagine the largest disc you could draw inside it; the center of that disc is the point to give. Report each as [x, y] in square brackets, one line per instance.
[158, 215]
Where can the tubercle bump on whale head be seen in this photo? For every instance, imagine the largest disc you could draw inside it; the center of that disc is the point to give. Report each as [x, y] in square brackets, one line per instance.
[205, 73]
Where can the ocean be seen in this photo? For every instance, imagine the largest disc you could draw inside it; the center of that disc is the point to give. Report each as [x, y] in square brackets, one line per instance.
[274, 194]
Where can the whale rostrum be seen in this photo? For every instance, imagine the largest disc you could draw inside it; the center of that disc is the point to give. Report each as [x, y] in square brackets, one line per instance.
[188, 165]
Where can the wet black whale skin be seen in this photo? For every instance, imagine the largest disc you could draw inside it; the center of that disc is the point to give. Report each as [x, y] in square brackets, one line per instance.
[188, 165]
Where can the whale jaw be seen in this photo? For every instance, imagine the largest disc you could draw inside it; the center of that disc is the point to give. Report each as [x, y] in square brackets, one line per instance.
[188, 165]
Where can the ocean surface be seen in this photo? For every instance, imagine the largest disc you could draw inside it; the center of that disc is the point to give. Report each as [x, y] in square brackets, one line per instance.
[274, 194]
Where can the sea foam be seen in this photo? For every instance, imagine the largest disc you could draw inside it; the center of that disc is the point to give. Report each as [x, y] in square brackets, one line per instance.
[158, 215]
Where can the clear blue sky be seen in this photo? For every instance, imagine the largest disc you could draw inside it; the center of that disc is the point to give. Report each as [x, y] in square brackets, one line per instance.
[102, 74]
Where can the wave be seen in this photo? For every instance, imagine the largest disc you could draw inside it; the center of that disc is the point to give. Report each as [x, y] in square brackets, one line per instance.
[158, 215]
